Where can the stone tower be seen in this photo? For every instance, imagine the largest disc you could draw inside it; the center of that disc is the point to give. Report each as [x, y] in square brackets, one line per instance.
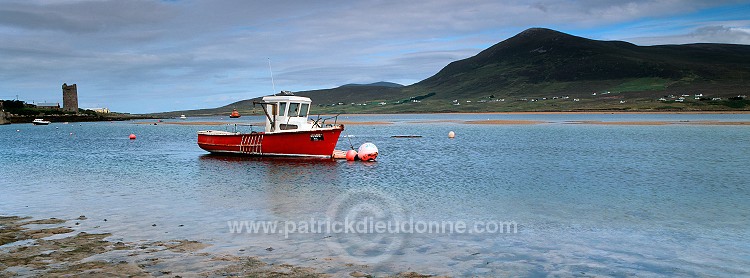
[70, 98]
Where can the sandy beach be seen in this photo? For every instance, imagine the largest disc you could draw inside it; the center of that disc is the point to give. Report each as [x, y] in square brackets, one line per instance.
[494, 122]
[509, 121]
[658, 123]
[198, 123]
[259, 123]
[57, 247]
[604, 112]
[504, 122]
[585, 122]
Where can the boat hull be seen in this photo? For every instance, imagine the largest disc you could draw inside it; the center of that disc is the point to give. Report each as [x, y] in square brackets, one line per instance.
[308, 143]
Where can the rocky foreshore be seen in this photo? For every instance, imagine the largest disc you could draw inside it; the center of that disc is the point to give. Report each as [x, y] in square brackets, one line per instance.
[57, 247]
[4, 118]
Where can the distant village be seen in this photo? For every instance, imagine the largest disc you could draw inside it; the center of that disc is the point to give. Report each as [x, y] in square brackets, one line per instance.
[607, 95]
[21, 111]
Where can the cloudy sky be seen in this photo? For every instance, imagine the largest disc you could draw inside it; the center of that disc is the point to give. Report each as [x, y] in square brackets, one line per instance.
[143, 56]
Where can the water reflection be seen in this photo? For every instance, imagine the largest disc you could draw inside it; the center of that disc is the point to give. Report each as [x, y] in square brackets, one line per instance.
[640, 200]
[287, 188]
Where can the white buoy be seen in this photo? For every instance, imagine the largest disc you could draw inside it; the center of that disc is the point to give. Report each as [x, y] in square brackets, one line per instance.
[367, 152]
[451, 134]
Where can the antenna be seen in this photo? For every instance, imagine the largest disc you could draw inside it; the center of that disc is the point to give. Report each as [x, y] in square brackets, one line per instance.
[271, 70]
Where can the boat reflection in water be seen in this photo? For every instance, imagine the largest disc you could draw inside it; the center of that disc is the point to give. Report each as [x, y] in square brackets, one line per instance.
[284, 187]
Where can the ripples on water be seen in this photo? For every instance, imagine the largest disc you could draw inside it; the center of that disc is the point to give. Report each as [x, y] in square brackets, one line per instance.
[594, 199]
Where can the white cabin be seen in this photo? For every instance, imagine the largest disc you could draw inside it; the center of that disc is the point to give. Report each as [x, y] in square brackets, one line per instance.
[287, 113]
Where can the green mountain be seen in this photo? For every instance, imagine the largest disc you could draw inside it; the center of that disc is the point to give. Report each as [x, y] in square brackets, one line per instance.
[376, 92]
[541, 63]
[545, 70]
[546, 61]
[376, 84]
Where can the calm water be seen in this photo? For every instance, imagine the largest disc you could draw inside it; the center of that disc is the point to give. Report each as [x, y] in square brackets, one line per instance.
[613, 200]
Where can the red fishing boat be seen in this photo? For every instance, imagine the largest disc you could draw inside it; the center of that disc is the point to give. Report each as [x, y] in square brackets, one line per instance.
[234, 114]
[287, 132]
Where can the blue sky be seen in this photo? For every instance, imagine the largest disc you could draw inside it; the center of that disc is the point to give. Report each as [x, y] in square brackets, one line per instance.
[143, 56]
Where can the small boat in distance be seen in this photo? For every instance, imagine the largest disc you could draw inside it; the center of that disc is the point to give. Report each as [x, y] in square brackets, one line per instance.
[40, 122]
[287, 132]
[182, 117]
[234, 114]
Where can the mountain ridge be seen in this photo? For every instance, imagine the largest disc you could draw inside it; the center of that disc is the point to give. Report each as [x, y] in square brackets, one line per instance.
[376, 84]
[541, 63]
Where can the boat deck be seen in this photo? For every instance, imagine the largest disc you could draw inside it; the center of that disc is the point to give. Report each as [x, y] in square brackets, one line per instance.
[217, 132]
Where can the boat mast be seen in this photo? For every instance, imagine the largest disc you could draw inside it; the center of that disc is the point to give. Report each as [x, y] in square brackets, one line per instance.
[271, 70]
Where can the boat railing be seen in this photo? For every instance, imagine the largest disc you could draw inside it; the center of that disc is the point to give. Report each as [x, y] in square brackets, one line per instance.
[321, 122]
[235, 129]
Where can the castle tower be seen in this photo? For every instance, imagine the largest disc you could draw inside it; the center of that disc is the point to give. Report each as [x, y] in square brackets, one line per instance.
[70, 98]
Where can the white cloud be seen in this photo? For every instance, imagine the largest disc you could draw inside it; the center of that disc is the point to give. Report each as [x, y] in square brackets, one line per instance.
[126, 51]
[705, 34]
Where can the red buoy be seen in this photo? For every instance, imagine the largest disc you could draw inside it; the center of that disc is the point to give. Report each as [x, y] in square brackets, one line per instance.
[351, 155]
[132, 136]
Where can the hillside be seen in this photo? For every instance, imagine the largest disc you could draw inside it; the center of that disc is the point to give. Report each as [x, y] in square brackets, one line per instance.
[375, 92]
[546, 61]
[376, 84]
[546, 70]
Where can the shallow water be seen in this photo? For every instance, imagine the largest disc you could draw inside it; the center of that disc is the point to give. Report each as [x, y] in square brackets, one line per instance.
[614, 200]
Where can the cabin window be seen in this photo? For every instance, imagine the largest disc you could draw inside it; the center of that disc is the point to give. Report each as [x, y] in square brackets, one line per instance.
[304, 110]
[287, 126]
[293, 109]
[282, 108]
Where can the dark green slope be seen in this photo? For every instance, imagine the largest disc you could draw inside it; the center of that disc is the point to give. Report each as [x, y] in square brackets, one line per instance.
[348, 94]
[377, 84]
[545, 70]
[376, 92]
[543, 60]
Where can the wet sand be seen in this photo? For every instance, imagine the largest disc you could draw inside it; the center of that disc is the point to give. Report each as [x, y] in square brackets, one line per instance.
[601, 112]
[534, 122]
[258, 123]
[197, 123]
[364, 123]
[481, 122]
[56, 247]
[617, 123]
[509, 122]
[658, 123]
[577, 112]
[504, 122]
[714, 123]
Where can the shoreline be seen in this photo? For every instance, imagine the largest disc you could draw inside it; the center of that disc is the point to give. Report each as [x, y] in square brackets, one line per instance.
[491, 122]
[256, 124]
[78, 118]
[593, 112]
[60, 247]
[558, 113]
[607, 112]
